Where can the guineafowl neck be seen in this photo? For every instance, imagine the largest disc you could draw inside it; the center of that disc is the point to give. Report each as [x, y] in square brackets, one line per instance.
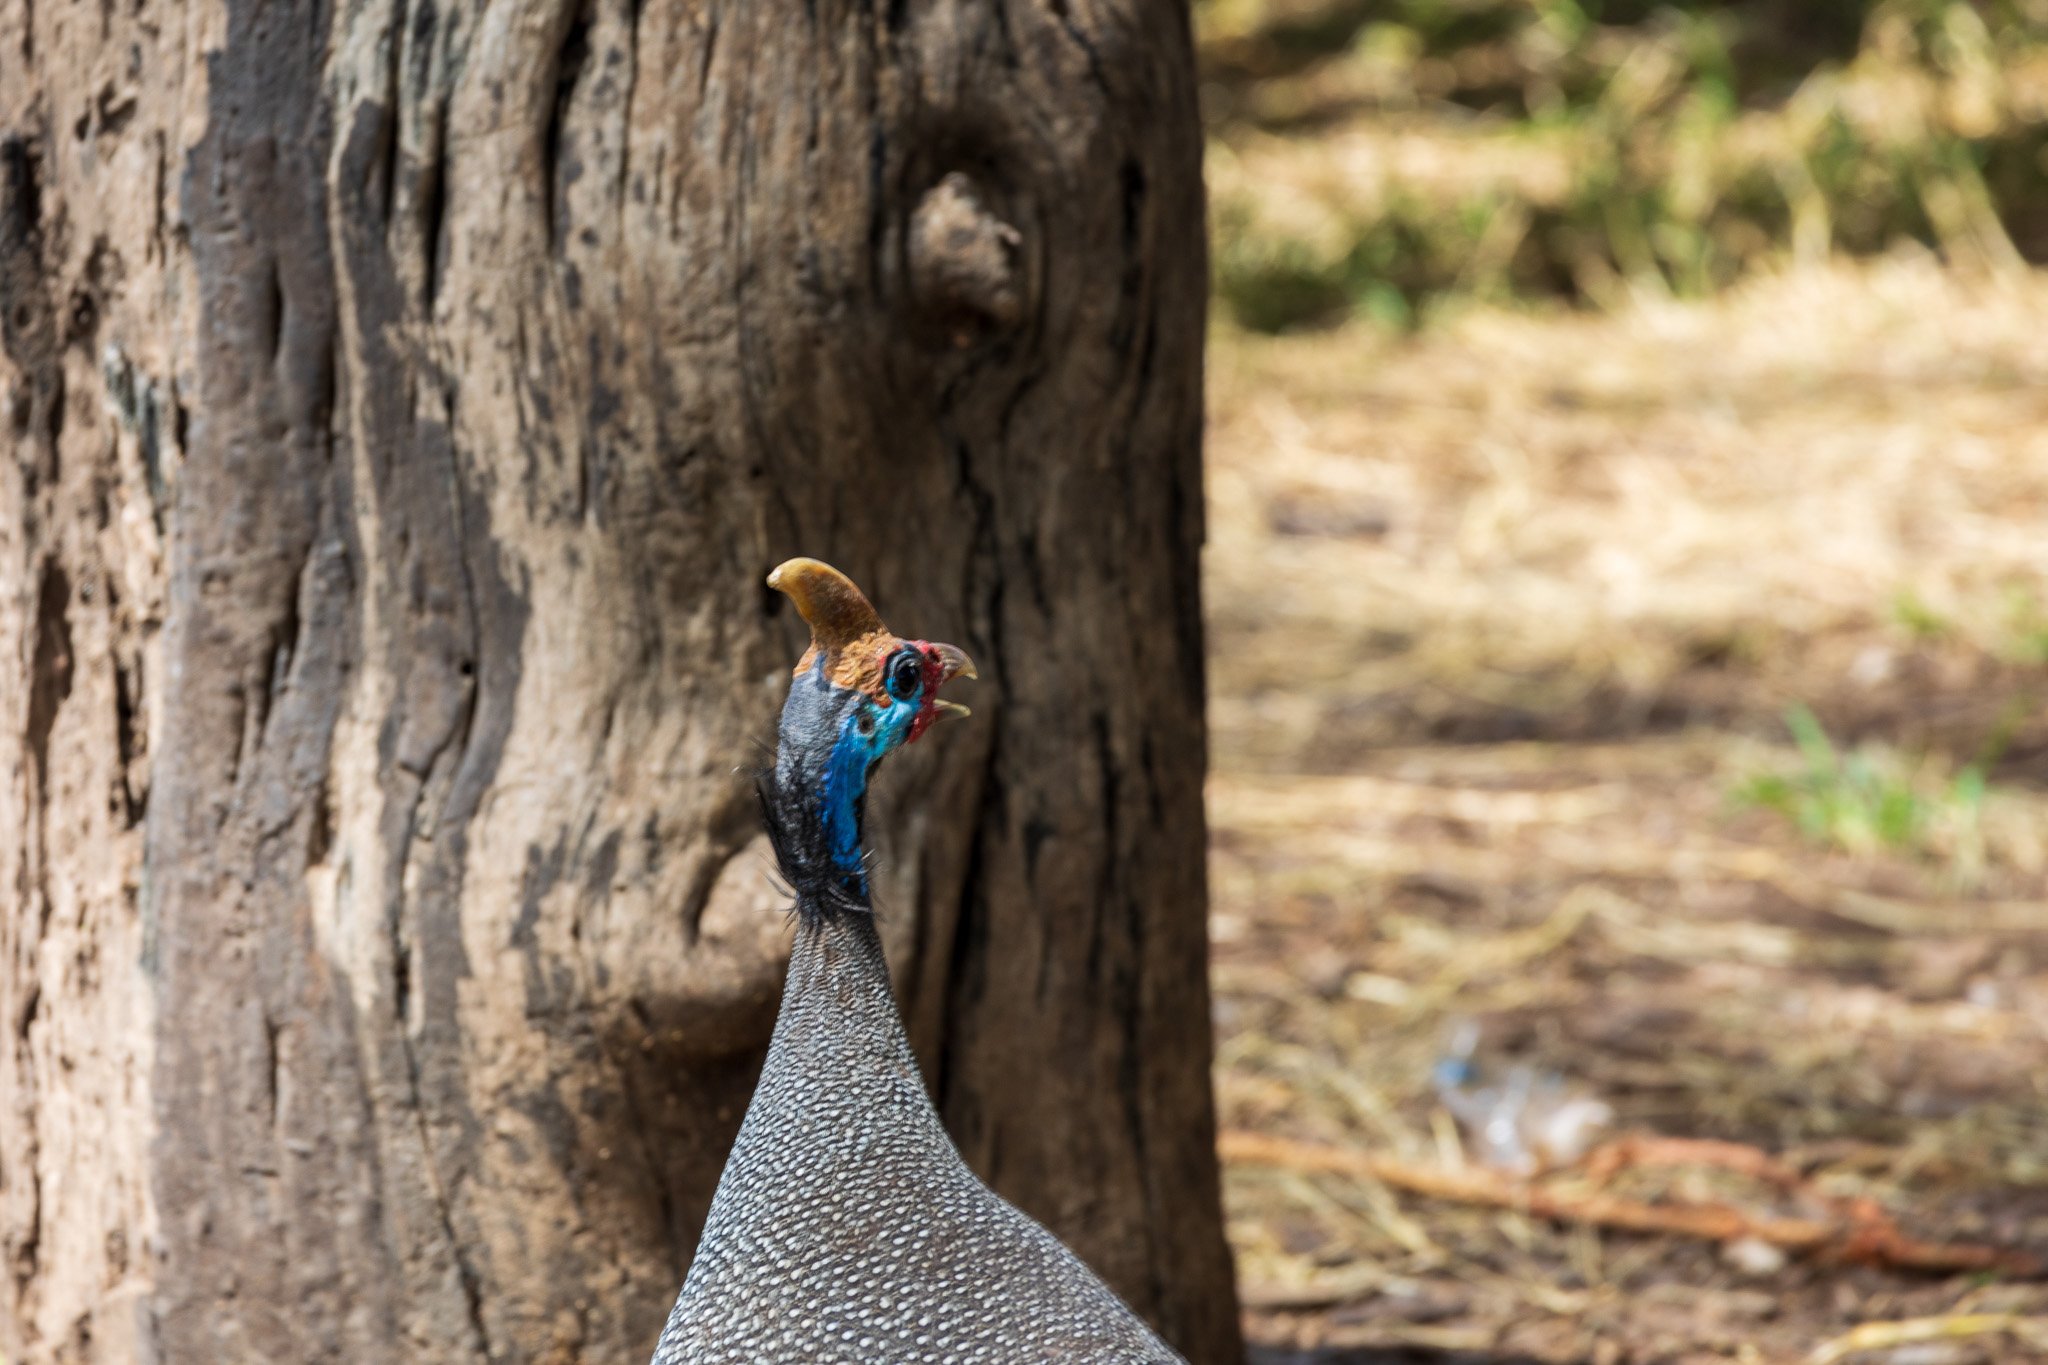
[838, 956]
[839, 1039]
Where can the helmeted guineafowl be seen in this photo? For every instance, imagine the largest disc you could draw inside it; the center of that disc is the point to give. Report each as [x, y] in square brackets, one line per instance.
[846, 1227]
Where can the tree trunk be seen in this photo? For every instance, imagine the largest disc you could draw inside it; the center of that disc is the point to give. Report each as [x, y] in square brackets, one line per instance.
[407, 400]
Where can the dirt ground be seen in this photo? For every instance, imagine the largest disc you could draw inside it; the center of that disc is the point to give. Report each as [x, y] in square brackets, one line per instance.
[1506, 619]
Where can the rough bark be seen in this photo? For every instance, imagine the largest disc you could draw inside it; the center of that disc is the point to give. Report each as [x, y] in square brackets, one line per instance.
[407, 398]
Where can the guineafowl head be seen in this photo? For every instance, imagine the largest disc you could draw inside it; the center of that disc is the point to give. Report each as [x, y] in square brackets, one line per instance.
[859, 693]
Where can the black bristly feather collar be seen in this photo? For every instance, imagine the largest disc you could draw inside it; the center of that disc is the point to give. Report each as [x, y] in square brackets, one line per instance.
[803, 852]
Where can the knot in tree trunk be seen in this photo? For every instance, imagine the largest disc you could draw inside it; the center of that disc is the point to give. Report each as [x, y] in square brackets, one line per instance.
[963, 262]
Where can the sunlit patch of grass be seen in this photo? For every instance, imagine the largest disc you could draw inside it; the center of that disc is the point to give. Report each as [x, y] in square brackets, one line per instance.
[1871, 799]
[1698, 144]
[1917, 618]
[1387, 271]
[2026, 627]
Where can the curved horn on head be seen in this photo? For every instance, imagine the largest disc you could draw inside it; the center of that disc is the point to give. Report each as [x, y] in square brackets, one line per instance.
[837, 612]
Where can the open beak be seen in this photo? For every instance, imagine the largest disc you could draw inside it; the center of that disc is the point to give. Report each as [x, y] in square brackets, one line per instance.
[953, 663]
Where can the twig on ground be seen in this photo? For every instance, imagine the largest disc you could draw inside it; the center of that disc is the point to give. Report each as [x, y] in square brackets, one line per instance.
[1609, 1159]
[1864, 1233]
[1340, 1286]
[1878, 1336]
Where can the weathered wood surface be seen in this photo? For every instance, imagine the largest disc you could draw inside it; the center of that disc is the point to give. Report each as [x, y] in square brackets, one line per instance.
[405, 401]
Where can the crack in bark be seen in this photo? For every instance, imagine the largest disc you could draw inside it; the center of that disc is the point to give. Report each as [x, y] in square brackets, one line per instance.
[453, 750]
[50, 678]
[28, 1251]
[1063, 11]
[158, 215]
[1124, 989]
[387, 154]
[28, 324]
[572, 54]
[966, 966]
[50, 674]
[270, 321]
[415, 1100]
[710, 50]
[274, 670]
[434, 211]
[634, 8]
[272, 1063]
[127, 701]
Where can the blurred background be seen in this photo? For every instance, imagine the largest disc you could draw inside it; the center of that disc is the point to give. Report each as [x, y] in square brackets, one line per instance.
[1628, 586]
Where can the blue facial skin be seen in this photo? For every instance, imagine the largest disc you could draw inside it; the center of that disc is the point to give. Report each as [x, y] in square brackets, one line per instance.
[862, 729]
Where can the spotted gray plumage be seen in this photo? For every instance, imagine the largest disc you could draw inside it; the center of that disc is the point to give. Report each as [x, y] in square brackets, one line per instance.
[846, 1227]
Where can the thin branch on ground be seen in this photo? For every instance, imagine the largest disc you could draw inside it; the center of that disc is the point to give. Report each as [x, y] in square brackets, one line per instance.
[1880, 1336]
[1609, 1159]
[1862, 1232]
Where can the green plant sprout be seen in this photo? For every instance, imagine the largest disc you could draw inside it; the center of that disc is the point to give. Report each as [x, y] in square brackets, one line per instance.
[1870, 800]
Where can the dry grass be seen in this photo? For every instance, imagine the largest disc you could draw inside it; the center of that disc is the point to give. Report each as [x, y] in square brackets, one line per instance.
[1502, 616]
[1513, 519]
[1400, 156]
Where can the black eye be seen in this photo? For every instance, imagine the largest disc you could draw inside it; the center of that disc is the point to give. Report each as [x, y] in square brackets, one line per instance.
[906, 671]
